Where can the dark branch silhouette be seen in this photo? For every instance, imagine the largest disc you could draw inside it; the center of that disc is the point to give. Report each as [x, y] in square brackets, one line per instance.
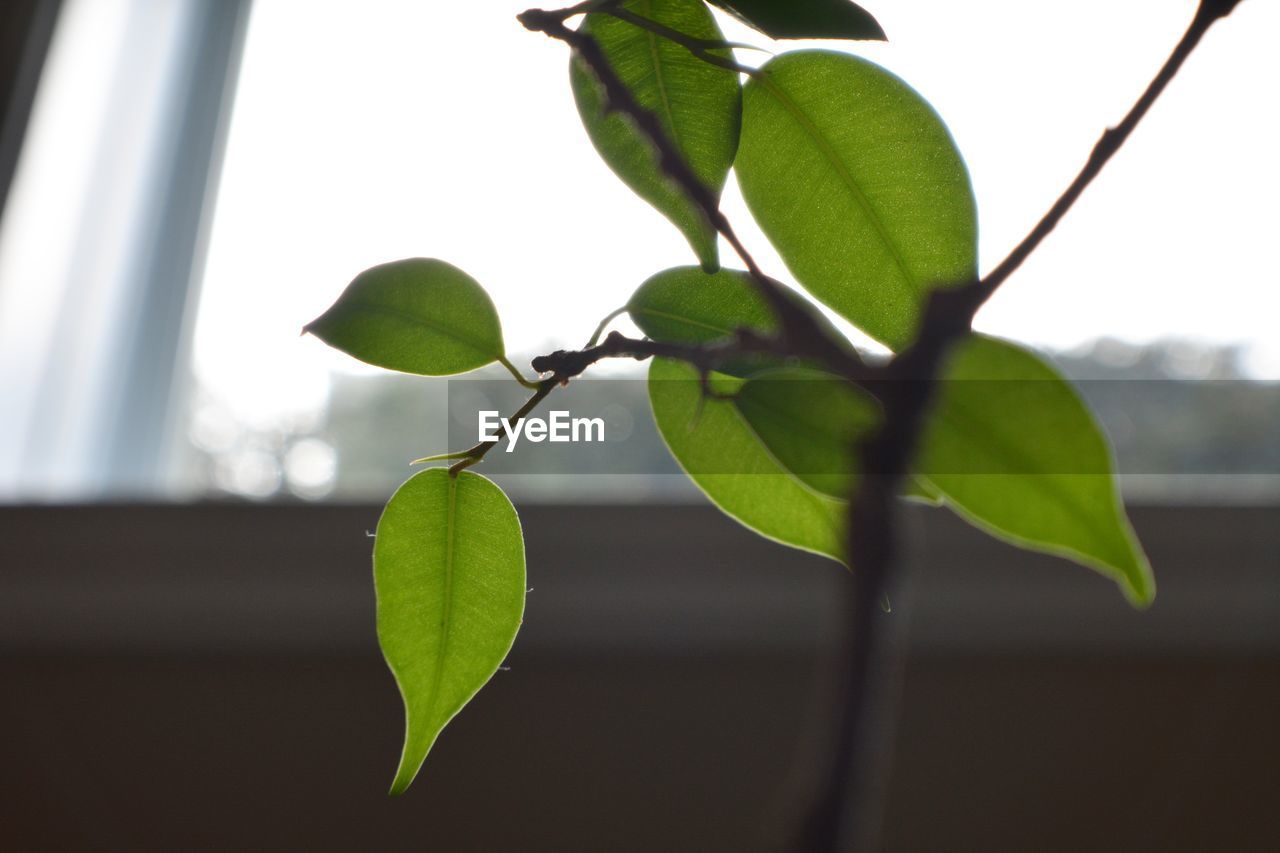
[842, 818]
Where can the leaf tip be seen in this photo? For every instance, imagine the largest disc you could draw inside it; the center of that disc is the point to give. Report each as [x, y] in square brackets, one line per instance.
[1141, 595]
[405, 774]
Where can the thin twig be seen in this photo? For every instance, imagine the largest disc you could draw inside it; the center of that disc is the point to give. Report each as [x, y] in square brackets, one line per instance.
[563, 365]
[841, 819]
[795, 325]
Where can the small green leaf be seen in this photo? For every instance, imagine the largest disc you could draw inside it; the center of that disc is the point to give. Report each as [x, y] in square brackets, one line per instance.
[805, 19]
[710, 438]
[686, 305]
[419, 315]
[724, 457]
[858, 184]
[808, 420]
[448, 566]
[698, 104]
[1012, 448]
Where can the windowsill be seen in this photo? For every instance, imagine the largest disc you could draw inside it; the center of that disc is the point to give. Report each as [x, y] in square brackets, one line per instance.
[294, 578]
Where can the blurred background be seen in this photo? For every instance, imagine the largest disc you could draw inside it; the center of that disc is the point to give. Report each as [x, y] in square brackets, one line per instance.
[186, 631]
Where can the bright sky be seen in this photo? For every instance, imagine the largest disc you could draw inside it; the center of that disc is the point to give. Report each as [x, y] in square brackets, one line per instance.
[371, 131]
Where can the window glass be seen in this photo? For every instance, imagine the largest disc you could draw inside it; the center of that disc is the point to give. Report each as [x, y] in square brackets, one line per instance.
[387, 129]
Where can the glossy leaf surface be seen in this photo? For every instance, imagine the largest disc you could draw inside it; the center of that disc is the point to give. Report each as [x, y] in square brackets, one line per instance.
[698, 104]
[858, 184]
[805, 19]
[420, 315]
[449, 572]
[1013, 449]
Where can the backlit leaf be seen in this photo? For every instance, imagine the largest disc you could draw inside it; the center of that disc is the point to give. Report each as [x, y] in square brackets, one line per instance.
[419, 315]
[724, 457]
[687, 305]
[698, 104]
[808, 420]
[448, 565]
[858, 184]
[1012, 448]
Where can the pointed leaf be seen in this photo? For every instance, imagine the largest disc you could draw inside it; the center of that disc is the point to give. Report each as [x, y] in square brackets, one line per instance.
[448, 564]
[419, 315]
[805, 19]
[698, 104]
[1011, 447]
[808, 420]
[724, 457]
[858, 184]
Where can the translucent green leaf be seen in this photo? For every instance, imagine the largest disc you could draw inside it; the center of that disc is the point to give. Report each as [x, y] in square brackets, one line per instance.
[448, 566]
[858, 184]
[1012, 448]
[698, 104]
[724, 457]
[419, 315]
[805, 19]
[711, 438]
[808, 420]
[687, 305]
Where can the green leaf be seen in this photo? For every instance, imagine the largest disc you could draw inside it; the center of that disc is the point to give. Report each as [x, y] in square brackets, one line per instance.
[698, 104]
[689, 306]
[419, 315]
[805, 19]
[808, 420]
[448, 566]
[725, 458]
[710, 438]
[1012, 448]
[858, 184]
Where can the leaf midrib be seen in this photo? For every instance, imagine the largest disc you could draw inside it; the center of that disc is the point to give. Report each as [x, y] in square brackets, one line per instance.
[678, 318]
[808, 491]
[415, 319]
[833, 159]
[447, 611]
[964, 425]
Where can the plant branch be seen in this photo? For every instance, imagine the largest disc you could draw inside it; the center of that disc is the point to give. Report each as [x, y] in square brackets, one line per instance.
[796, 326]
[564, 365]
[475, 454]
[842, 819]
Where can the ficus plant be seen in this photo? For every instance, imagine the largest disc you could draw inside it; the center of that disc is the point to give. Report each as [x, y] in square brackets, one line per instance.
[783, 424]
